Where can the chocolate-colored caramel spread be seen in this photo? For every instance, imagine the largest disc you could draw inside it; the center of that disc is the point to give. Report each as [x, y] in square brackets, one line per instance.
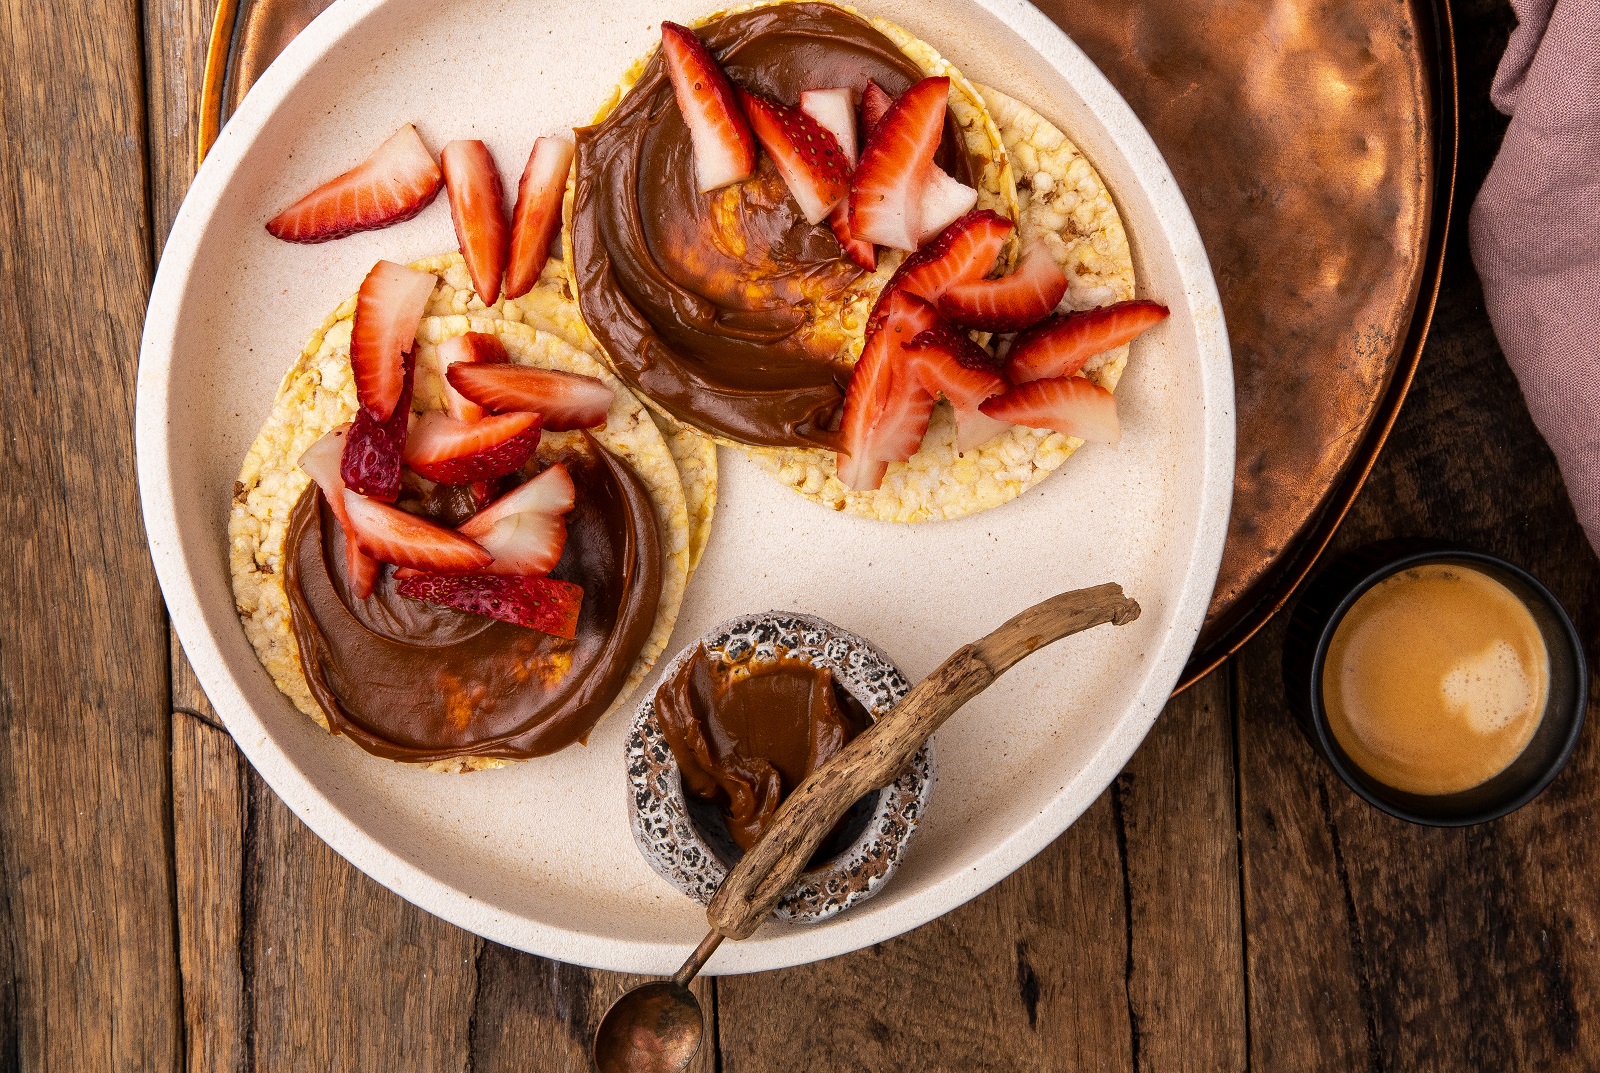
[711, 303]
[414, 681]
[746, 735]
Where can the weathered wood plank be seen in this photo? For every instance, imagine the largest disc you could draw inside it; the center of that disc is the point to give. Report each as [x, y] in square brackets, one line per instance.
[176, 33]
[209, 814]
[85, 850]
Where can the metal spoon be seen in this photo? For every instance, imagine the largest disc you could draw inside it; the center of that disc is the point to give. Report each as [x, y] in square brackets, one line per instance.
[657, 1027]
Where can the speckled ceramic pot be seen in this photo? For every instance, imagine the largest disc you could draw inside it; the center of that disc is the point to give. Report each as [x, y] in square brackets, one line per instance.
[684, 839]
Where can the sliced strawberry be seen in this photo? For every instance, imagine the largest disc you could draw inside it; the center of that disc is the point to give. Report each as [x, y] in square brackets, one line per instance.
[835, 112]
[477, 206]
[395, 183]
[321, 463]
[539, 603]
[949, 364]
[875, 101]
[944, 201]
[389, 309]
[966, 250]
[565, 400]
[550, 492]
[374, 450]
[886, 408]
[394, 536]
[724, 148]
[1010, 303]
[1071, 405]
[443, 449]
[525, 530]
[537, 216]
[806, 155]
[886, 190]
[1060, 346]
[863, 255]
[467, 348]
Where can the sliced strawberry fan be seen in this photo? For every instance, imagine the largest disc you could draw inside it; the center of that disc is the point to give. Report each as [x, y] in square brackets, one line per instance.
[443, 449]
[396, 182]
[537, 603]
[806, 154]
[886, 408]
[537, 216]
[565, 400]
[948, 364]
[724, 147]
[964, 251]
[477, 207]
[1061, 345]
[1009, 303]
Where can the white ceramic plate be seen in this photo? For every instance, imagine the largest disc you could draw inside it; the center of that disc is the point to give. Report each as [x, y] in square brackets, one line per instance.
[539, 856]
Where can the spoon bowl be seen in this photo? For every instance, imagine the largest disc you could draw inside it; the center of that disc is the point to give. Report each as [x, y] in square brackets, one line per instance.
[653, 1028]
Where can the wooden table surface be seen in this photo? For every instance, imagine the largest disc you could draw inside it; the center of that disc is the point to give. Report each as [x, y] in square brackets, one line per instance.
[1226, 904]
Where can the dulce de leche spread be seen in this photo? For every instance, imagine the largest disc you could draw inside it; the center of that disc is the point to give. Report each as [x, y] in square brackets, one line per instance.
[718, 305]
[415, 681]
[746, 734]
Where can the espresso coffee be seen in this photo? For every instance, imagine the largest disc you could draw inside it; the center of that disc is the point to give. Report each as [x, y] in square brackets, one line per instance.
[1436, 679]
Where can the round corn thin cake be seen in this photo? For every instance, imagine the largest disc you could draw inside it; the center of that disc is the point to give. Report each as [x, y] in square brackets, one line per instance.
[550, 308]
[843, 323]
[1062, 200]
[319, 393]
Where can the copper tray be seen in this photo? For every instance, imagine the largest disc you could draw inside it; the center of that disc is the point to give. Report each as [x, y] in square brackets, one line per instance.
[1316, 145]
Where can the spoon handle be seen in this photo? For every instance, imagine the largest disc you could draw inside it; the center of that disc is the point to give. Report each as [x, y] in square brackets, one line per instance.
[877, 757]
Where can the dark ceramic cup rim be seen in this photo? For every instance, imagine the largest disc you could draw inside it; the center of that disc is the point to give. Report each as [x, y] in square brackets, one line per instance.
[1482, 803]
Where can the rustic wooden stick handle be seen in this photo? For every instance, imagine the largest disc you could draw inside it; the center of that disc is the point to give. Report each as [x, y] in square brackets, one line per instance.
[881, 753]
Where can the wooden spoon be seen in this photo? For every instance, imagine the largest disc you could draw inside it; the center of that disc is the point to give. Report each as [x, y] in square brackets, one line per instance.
[656, 1027]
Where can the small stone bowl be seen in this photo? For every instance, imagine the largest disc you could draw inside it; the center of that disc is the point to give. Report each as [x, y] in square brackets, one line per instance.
[685, 839]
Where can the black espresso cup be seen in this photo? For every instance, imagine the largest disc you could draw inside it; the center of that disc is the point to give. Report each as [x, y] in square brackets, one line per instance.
[1323, 606]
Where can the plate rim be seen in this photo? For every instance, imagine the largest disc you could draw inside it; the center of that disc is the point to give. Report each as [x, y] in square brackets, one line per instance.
[374, 857]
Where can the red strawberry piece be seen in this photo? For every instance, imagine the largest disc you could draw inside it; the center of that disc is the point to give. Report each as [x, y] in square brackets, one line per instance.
[537, 215]
[565, 400]
[875, 101]
[467, 348]
[1060, 346]
[886, 190]
[944, 201]
[806, 155]
[1010, 303]
[966, 250]
[321, 463]
[525, 530]
[394, 536]
[863, 255]
[374, 450]
[835, 112]
[389, 309]
[949, 364]
[539, 603]
[1071, 405]
[477, 206]
[443, 449]
[886, 408]
[395, 183]
[724, 148]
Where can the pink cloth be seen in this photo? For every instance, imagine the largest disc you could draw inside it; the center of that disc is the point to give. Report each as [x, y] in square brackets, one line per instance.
[1535, 233]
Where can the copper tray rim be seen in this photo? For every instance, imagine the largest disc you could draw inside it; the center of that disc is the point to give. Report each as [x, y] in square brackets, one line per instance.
[1295, 563]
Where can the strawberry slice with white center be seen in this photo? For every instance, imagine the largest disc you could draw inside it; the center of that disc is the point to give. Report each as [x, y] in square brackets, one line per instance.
[835, 111]
[526, 530]
[944, 200]
[393, 536]
[468, 348]
[477, 207]
[566, 401]
[443, 449]
[395, 183]
[389, 309]
[949, 364]
[966, 250]
[724, 148]
[375, 450]
[1070, 405]
[806, 154]
[539, 603]
[537, 215]
[886, 189]
[875, 101]
[321, 464]
[1062, 345]
[886, 408]
[1010, 303]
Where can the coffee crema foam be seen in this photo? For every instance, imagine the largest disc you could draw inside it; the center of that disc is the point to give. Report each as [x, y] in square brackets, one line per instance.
[1436, 679]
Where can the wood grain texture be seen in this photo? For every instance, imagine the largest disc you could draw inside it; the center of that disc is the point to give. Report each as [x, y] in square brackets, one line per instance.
[87, 944]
